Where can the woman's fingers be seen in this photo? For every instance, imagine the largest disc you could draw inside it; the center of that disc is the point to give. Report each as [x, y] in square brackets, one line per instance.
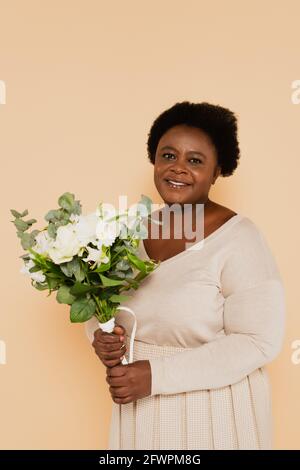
[111, 354]
[105, 337]
[110, 347]
[107, 347]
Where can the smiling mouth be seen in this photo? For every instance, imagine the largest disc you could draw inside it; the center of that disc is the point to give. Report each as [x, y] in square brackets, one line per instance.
[176, 185]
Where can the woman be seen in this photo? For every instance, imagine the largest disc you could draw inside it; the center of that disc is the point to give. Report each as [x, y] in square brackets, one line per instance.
[208, 320]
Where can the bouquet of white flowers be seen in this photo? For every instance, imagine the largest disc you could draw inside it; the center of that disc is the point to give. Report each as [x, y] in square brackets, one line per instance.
[90, 260]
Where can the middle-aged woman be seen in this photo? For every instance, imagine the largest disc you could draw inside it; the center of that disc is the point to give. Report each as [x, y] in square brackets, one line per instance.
[208, 320]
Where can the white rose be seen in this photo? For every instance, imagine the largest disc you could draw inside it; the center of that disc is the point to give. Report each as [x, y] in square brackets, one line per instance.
[43, 243]
[66, 244]
[107, 232]
[85, 228]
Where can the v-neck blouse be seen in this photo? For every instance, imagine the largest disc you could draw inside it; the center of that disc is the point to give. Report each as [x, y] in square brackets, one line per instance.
[224, 303]
[197, 245]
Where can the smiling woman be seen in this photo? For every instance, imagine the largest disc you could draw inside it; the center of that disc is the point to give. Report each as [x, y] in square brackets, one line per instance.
[193, 144]
[209, 319]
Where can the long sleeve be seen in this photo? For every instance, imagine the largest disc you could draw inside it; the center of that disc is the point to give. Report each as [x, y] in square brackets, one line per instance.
[253, 317]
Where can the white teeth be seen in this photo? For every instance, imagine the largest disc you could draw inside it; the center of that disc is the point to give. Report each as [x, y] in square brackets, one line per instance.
[174, 183]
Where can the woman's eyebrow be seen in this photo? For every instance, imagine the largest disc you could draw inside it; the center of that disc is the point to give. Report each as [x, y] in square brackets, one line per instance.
[166, 147]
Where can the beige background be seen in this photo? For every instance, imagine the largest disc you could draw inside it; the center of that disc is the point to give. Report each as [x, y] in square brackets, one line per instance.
[84, 81]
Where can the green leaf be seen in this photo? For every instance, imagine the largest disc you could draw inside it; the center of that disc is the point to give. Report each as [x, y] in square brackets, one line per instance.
[54, 275]
[39, 286]
[73, 267]
[79, 288]
[34, 269]
[30, 221]
[119, 298]
[120, 274]
[63, 295]
[82, 310]
[53, 283]
[123, 265]
[51, 229]
[25, 257]
[24, 213]
[20, 224]
[136, 262]
[108, 282]
[26, 241]
[53, 215]
[103, 267]
[15, 213]
[66, 201]
[76, 209]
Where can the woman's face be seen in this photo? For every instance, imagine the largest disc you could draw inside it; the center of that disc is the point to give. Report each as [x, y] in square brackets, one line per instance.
[185, 154]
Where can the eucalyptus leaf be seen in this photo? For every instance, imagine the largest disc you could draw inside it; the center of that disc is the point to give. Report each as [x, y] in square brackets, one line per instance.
[73, 267]
[15, 213]
[20, 224]
[51, 230]
[120, 274]
[26, 241]
[66, 201]
[122, 265]
[30, 221]
[53, 215]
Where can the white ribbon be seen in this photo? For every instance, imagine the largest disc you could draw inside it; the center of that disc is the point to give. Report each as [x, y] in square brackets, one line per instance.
[109, 326]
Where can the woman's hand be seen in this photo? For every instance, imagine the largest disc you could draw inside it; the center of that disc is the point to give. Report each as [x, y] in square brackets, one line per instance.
[129, 382]
[110, 347]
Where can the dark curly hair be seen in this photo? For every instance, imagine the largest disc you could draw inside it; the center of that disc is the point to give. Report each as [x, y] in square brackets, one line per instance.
[219, 123]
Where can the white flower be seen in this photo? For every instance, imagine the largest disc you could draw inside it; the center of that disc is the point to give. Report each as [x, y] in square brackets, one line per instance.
[107, 232]
[37, 276]
[98, 256]
[108, 228]
[43, 243]
[66, 244]
[85, 228]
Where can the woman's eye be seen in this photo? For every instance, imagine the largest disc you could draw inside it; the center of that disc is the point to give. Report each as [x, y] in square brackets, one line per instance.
[196, 160]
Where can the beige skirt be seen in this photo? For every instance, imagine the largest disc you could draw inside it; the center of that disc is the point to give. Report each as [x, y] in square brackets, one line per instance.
[237, 416]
